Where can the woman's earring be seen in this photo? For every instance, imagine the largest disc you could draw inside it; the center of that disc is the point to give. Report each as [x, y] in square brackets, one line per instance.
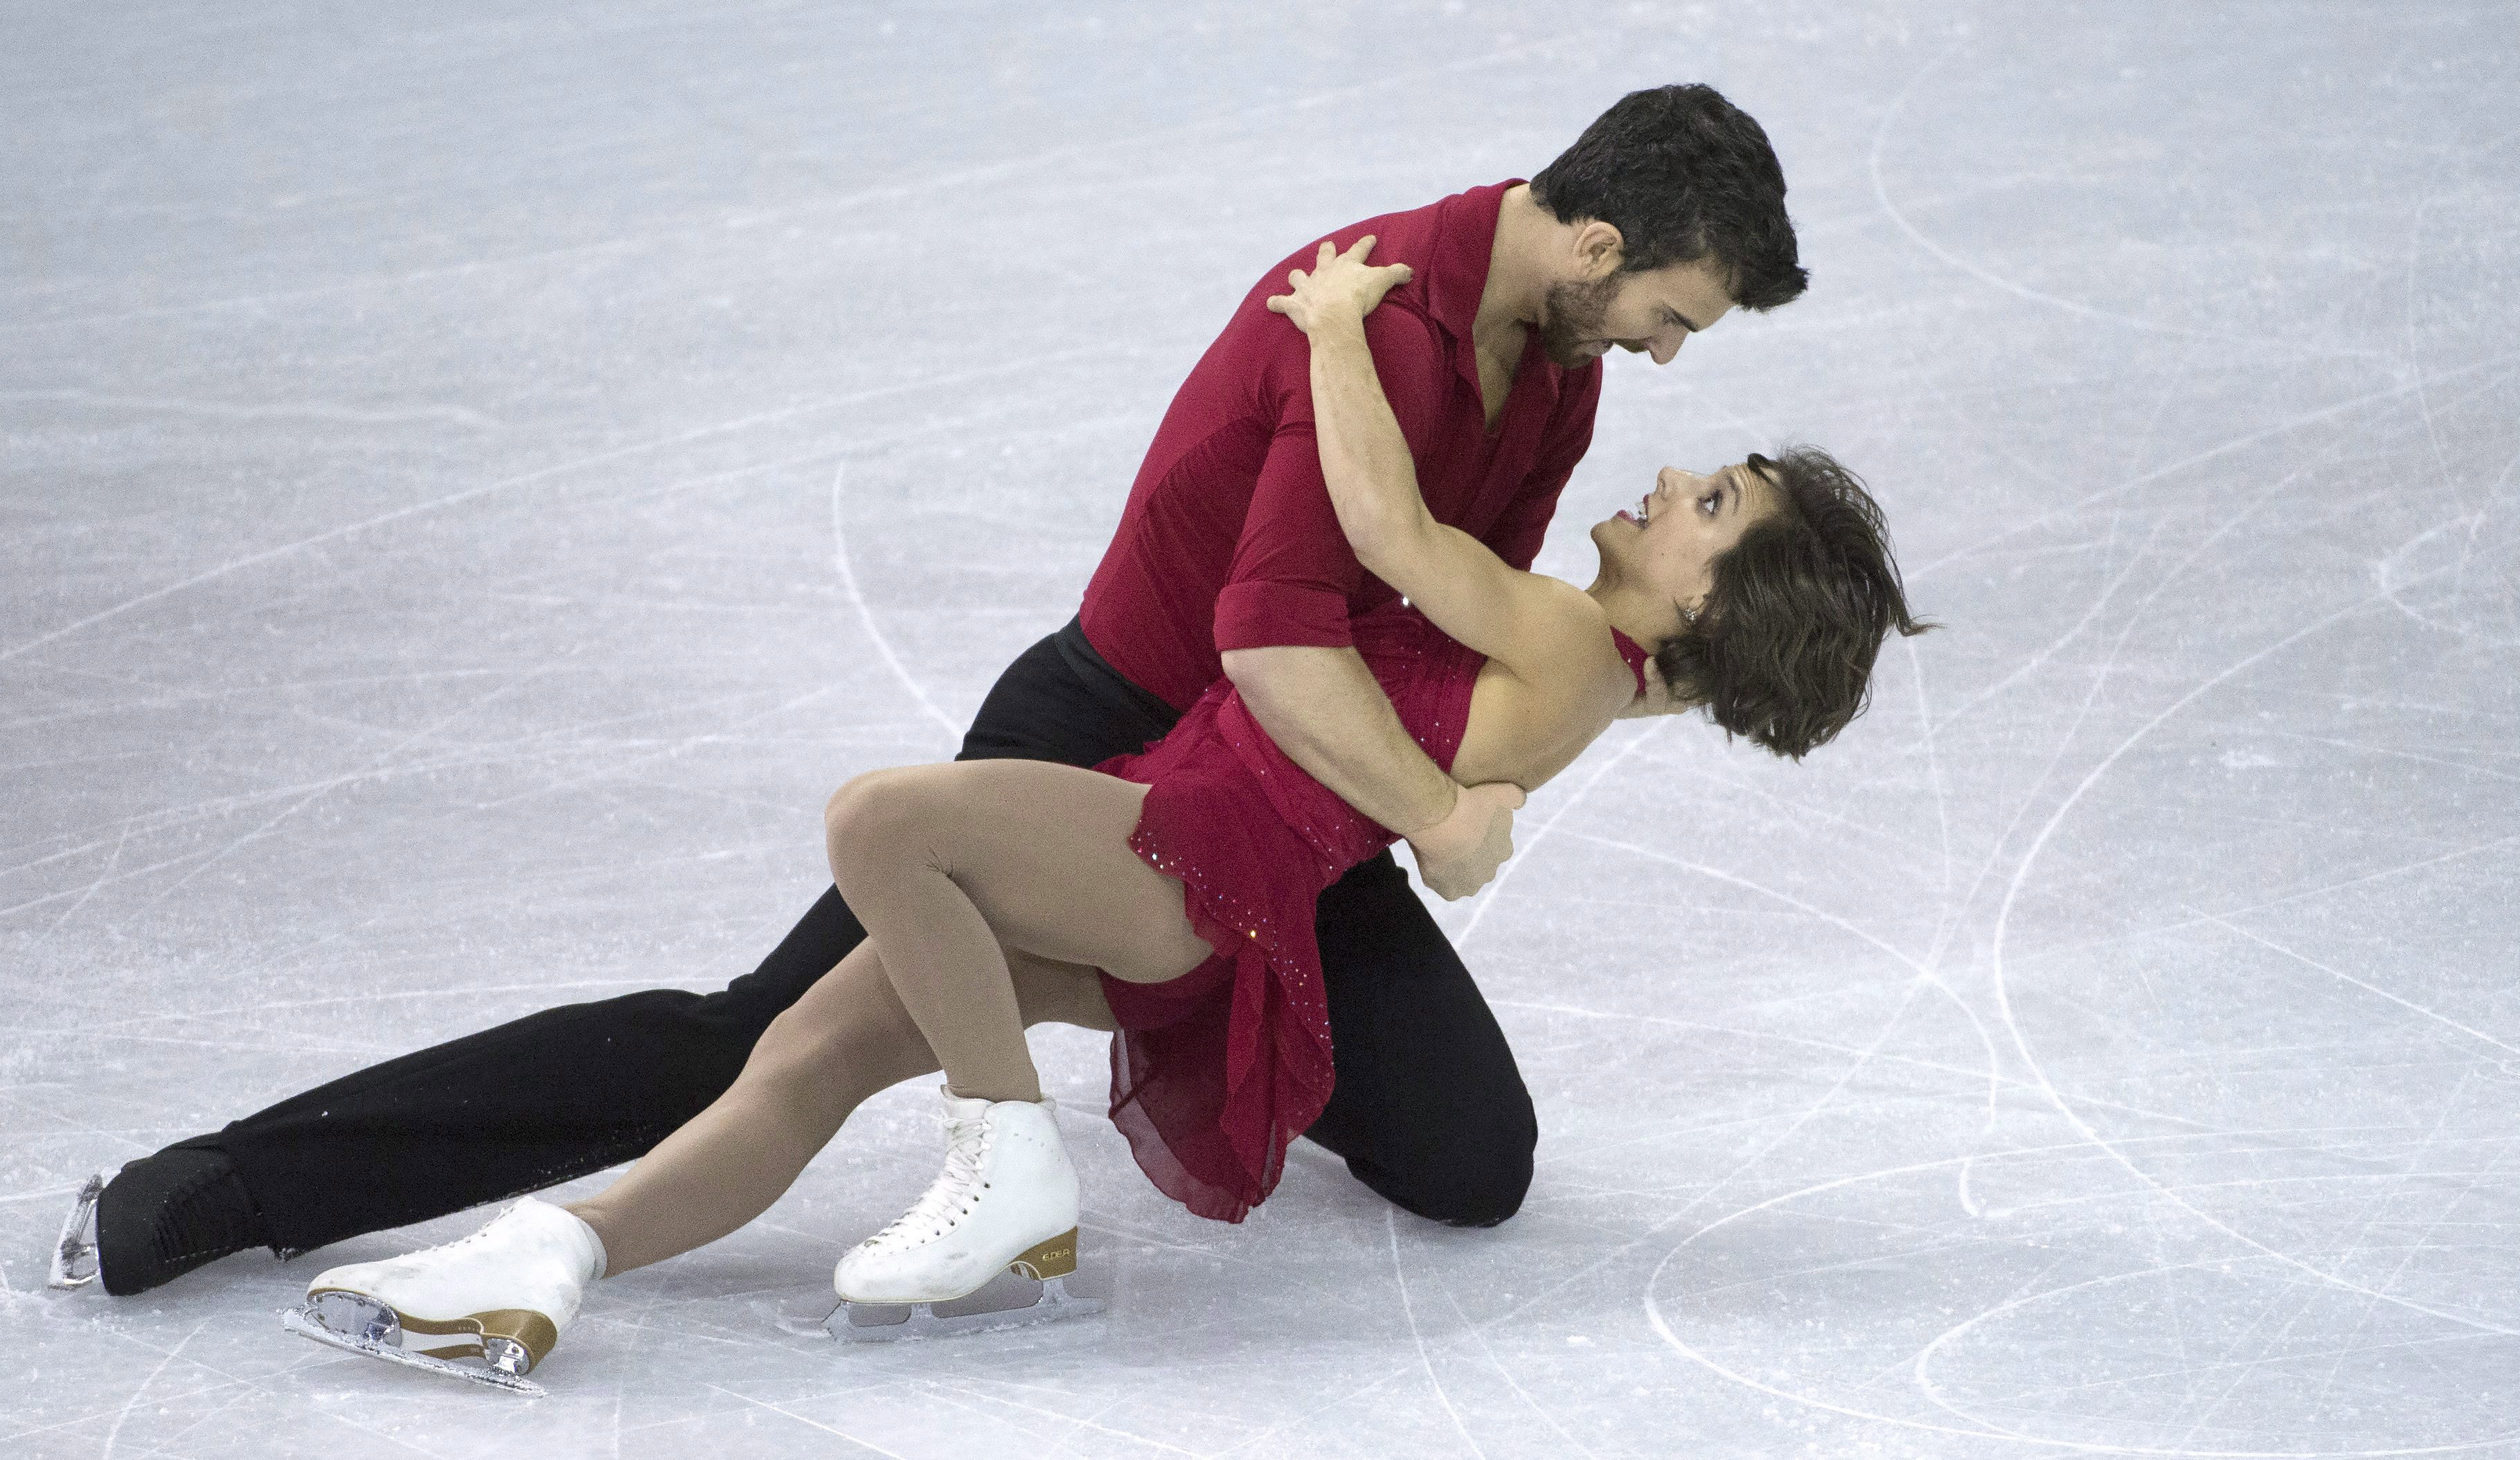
[1687, 616]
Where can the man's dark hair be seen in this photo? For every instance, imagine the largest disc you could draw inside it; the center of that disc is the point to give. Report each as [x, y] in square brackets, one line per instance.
[1683, 175]
[1782, 650]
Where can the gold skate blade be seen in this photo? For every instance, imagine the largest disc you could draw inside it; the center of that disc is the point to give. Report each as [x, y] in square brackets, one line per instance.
[307, 1325]
[1007, 1301]
[521, 1337]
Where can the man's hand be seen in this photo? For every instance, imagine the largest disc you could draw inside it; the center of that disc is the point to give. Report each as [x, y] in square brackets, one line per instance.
[1460, 853]
[1656, 699]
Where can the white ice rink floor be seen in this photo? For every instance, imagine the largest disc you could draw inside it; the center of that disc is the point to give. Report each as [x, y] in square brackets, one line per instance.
[474, 481]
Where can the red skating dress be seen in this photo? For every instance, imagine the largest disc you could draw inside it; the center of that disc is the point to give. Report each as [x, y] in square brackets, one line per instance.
[1214, 1072]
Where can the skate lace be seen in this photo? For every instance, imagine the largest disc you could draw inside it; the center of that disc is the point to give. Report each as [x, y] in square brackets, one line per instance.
[471, 1239]
[951, 1196]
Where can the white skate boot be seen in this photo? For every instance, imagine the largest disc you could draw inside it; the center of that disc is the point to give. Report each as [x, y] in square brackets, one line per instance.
[1005, 1204]
[503, 1294]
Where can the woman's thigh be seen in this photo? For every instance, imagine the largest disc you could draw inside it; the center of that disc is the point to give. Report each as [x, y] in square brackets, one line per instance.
[1041, 849]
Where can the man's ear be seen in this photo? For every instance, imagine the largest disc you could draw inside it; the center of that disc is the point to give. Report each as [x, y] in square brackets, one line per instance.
[1598, 249]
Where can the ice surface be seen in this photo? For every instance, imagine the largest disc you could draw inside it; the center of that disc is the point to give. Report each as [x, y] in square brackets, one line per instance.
[474, 481]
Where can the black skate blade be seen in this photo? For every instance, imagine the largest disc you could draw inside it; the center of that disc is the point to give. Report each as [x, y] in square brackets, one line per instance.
[75, 1263]
[1007, 1301]
[307, 1326]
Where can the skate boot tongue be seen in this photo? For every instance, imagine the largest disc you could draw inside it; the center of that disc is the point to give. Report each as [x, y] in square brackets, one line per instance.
[961, 1108]
[949, 1196]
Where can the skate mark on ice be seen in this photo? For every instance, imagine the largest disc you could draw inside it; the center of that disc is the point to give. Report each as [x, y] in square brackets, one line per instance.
[1926, 974]
[1505, 874]
[2322, 889]
[1670, 1336]
[2345, 978]
[982, 1398]
[1881, 195]
[2288, 425]
[381, 762]
[1160, 140]
[1735, 1031]
[1408, 1311]
[1947, 918]
[1477, 1333]
[2039, 1074]
[113, 1436]
[619, 769]
[2108, 666]
[736, 426]
[501, 754]
[865, 614]
[226, 410]
[812, 1424]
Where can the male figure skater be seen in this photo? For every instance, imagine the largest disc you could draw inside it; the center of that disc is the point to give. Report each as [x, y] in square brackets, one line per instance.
[1665, 214]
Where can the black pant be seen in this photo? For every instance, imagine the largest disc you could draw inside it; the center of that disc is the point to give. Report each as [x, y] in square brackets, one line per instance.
[1429, 1110]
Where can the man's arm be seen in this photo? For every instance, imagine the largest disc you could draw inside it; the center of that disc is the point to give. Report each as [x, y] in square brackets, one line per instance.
[1281, 633]
[1324, 710]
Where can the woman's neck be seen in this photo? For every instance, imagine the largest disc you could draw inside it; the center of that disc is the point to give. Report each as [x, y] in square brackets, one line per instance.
[1646, 617]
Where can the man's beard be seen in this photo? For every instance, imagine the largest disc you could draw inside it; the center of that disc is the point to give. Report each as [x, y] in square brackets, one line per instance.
[1571, 316]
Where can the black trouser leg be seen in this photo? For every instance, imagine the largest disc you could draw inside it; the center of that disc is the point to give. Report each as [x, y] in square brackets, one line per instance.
[514, 1109]
[1430, 1110]
[571, 1090]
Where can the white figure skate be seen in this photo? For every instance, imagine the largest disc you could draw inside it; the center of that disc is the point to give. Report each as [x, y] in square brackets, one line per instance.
[502, 1295]
[990, 1246]
[75, 1258]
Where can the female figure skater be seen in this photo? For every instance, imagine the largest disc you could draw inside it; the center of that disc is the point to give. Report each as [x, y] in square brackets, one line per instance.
[1168, 896]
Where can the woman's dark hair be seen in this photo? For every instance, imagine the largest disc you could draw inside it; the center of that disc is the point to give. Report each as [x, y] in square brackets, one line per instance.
[1782, 650]
[1683, 175]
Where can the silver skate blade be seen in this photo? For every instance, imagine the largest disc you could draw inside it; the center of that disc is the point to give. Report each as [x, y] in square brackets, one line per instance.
[307, 1326]
[74, 1261]
[1005, 1300]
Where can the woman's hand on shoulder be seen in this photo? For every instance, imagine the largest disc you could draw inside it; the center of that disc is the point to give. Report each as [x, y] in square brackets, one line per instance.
[1341, 289]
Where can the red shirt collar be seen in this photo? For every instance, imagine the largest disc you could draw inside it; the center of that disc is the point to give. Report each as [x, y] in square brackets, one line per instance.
[1464, 242]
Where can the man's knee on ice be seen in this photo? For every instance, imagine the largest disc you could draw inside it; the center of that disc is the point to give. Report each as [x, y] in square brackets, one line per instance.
[1477, 1178]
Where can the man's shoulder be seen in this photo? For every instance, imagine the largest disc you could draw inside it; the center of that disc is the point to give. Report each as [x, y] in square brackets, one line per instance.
[1434, 238]
[1415, 228]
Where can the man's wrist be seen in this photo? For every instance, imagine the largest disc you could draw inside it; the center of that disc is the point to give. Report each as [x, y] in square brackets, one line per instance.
[1451, 803]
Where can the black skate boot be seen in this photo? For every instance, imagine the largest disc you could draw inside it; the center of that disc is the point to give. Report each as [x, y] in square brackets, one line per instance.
[166, 1215]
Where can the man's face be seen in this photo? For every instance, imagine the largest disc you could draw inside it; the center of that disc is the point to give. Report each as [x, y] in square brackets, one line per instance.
[1653, 312]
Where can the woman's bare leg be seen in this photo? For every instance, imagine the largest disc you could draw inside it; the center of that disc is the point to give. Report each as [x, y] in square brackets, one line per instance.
[938, 862]
[950, 866]
[847, 1039]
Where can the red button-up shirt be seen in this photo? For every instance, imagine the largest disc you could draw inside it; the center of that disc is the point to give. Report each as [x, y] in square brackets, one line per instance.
[1229, 540]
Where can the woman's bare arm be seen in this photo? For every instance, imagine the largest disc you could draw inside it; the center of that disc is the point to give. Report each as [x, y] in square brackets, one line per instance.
[1523, 620]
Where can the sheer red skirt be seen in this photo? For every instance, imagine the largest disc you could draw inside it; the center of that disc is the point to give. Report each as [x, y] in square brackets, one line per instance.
[1215, 1073]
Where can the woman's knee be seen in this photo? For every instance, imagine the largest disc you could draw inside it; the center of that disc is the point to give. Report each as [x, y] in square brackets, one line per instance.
[878, 819]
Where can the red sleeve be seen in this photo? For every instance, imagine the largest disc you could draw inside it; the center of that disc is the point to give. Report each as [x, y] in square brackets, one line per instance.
[1517, 534]
[1293, 573]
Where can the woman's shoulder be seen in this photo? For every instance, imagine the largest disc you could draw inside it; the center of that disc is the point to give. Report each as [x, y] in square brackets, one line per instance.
[1570, 643]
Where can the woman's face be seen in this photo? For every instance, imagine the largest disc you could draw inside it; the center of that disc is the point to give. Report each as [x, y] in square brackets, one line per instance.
[1670, 541]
